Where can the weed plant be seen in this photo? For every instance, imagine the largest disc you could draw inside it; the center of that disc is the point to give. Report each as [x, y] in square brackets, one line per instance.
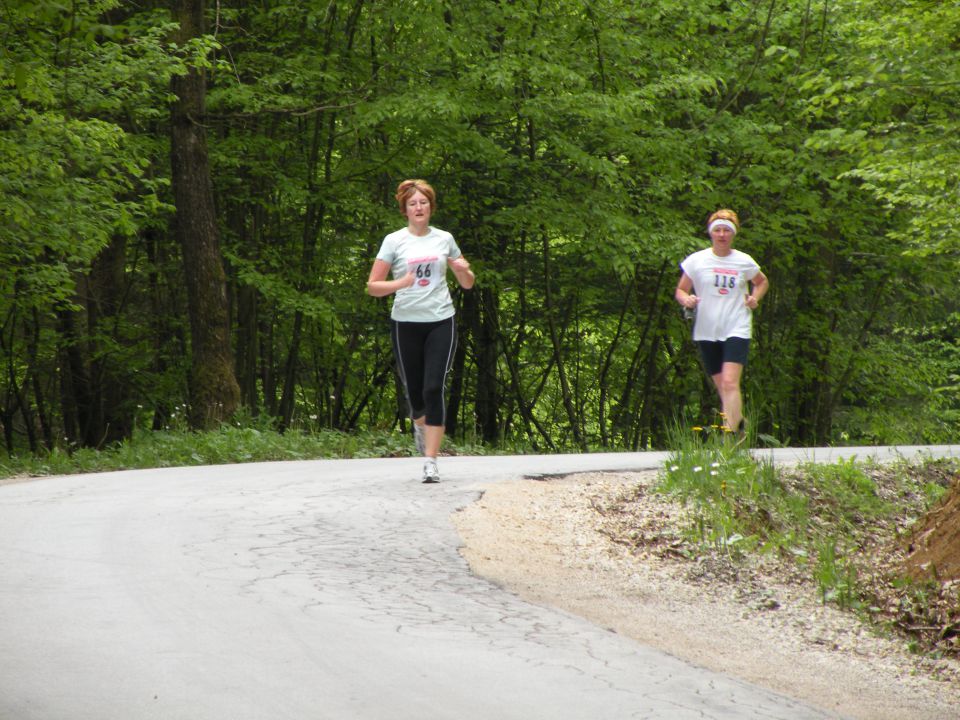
[738, 504]
[716, 478]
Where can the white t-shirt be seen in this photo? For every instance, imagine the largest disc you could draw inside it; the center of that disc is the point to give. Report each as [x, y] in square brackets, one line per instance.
[428, 299]
[722, 284]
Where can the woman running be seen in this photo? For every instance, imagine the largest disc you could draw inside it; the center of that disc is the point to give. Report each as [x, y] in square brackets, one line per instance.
[423, 328]
[724, 286]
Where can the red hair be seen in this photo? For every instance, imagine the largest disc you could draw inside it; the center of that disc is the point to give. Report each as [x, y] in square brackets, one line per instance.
[407, 188]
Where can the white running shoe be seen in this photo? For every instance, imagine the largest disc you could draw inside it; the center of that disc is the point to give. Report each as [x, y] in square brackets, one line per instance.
[430, 472]
[420, 438]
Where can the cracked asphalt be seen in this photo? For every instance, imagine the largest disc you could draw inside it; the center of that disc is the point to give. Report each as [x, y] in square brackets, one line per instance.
[314, 590]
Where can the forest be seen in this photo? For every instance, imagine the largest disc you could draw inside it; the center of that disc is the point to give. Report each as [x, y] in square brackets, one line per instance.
[192, 194]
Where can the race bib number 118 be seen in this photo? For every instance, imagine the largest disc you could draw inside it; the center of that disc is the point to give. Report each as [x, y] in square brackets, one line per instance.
[724, 281]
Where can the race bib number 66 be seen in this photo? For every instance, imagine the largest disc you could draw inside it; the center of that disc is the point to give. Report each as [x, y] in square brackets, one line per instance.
[426, 271]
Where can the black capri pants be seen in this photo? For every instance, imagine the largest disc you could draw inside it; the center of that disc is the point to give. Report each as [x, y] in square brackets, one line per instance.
[424, 353]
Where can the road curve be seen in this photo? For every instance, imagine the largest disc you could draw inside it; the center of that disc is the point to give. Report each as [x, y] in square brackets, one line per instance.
[313, 590]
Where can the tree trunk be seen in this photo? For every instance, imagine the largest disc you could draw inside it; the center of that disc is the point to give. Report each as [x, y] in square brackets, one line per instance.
[455, 376]
[608, 361]
[75, 398]
[479, 320]
[113, 417]
[311, 230]
[247, 342]
[557, 343]
[933, 543]
[33, 353]
[245, 303]
[214, 392]
[162, 325]
[623, 419]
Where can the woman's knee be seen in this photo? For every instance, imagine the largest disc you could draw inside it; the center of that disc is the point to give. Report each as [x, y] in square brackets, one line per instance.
[728, 384]
[432, 394]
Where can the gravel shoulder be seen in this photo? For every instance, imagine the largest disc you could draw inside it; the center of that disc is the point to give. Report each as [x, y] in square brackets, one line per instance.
[549, 541]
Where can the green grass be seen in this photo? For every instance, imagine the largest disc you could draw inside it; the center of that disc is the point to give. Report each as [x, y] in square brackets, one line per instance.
[229, 444]
[817, 516]
[725, 489]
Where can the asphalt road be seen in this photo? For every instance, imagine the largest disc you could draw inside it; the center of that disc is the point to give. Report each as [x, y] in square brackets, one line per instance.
[313, 590]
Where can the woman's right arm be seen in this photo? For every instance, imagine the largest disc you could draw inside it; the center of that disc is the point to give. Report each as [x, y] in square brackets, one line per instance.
[683, 295]
[379, 286]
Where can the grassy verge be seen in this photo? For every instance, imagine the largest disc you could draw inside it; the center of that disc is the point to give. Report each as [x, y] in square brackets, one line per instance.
[841, 526]
[229, 444]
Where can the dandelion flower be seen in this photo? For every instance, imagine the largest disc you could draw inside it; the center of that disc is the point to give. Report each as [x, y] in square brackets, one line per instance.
[697, 428]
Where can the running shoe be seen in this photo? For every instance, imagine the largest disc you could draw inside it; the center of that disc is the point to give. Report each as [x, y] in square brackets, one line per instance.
[420, 438]
[430, 472]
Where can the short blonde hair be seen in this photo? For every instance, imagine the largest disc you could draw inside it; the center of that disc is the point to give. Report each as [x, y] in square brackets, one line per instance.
[407, 188]
[724, 214]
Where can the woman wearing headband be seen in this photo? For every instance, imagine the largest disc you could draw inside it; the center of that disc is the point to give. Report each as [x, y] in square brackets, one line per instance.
[423, 328]
[724, 287]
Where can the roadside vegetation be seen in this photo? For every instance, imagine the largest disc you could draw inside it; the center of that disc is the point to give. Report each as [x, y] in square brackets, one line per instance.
[239, 442]
[845, 526]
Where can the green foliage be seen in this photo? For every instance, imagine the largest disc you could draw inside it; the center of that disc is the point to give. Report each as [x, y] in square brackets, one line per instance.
[724, 486]
[896, 92]
[577, 150]
[836, 578]
[906, 391]
[738, 504]
[250, 441]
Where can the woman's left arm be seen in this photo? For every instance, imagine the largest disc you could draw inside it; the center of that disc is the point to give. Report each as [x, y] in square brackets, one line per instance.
[759, 286]
[461, 269]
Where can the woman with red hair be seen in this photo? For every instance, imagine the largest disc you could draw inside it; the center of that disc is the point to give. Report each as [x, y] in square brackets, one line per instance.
[723, 286]
[423, 328]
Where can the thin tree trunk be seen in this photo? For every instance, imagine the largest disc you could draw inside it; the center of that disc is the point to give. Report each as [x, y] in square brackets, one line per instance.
[526, 412]
[75, 397]
[549, 311]
[626, 396]
[162, 327]
[113, 419]
[316, 209]
[15, 392]
[479, 316]
[455, 381]
[247, 339]
[33, 345]
[608, 362]
[311, 229]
